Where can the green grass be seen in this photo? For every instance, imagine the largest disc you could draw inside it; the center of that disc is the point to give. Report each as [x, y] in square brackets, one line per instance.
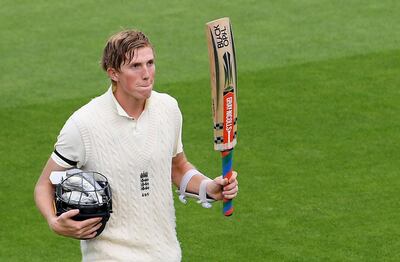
[318, 121]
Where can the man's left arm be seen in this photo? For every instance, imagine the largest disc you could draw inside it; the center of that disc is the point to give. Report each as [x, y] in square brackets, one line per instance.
[218, 188]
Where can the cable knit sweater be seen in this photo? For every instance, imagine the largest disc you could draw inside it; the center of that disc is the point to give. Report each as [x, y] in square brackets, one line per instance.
[136, 158]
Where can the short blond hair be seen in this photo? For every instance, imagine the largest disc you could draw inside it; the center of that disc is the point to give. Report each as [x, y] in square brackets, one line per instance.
[120, 48]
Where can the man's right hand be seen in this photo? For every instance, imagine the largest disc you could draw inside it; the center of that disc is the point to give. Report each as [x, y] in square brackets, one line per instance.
[64, 225]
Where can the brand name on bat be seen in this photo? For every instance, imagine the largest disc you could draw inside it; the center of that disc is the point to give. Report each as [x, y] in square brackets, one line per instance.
[229, 114]
[221, 36]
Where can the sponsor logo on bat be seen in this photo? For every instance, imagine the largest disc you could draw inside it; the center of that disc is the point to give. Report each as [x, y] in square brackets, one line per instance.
[221, 36]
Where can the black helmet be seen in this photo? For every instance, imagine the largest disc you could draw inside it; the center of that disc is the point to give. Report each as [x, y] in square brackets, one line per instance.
[87, 191]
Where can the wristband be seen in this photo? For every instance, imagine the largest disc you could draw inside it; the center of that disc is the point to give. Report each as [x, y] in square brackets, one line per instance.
[202, 196]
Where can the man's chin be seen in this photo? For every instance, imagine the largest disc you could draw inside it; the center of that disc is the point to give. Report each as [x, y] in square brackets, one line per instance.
[147, 92]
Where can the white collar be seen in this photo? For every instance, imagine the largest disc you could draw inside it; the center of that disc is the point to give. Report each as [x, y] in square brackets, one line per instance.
[119, 108]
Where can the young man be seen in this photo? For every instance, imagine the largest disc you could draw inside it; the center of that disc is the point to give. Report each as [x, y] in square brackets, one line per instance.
[128, 132]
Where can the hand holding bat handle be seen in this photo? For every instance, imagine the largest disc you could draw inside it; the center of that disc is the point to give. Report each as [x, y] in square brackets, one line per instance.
[227, 157]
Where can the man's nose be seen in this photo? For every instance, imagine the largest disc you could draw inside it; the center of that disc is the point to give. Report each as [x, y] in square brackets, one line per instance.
[146, 73]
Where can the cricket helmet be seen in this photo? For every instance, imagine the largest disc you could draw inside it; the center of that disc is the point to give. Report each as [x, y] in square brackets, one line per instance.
[88, 191]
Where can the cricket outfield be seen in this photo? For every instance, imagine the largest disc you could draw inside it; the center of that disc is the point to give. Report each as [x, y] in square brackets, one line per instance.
[318, 129]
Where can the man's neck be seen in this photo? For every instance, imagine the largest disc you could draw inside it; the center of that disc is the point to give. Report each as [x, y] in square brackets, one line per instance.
[133, 107]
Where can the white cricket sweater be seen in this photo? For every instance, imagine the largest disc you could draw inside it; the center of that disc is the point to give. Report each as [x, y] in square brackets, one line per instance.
[142, 227]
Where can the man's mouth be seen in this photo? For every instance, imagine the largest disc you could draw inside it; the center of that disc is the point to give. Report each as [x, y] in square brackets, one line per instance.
[145, 85]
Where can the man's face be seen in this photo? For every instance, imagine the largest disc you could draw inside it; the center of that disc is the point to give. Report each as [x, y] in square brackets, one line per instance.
[136, 78]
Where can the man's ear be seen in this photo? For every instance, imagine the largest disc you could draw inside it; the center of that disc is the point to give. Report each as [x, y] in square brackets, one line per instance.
[113, 74]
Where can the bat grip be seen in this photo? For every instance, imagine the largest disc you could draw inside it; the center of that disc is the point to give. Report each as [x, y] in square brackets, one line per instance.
[227, 157]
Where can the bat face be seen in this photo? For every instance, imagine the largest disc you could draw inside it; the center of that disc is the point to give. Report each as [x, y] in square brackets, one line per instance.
[221, 52]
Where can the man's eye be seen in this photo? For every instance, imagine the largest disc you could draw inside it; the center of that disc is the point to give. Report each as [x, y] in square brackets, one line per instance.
[151, 62]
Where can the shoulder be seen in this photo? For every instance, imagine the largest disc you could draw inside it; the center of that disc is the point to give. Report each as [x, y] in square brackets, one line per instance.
[92, 108]
[164, 100]
[167, 107]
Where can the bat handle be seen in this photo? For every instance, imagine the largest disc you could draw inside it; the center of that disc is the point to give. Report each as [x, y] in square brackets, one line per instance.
[227, 157]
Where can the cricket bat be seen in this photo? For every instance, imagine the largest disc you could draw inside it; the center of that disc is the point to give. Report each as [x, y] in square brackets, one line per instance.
[221, 51]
